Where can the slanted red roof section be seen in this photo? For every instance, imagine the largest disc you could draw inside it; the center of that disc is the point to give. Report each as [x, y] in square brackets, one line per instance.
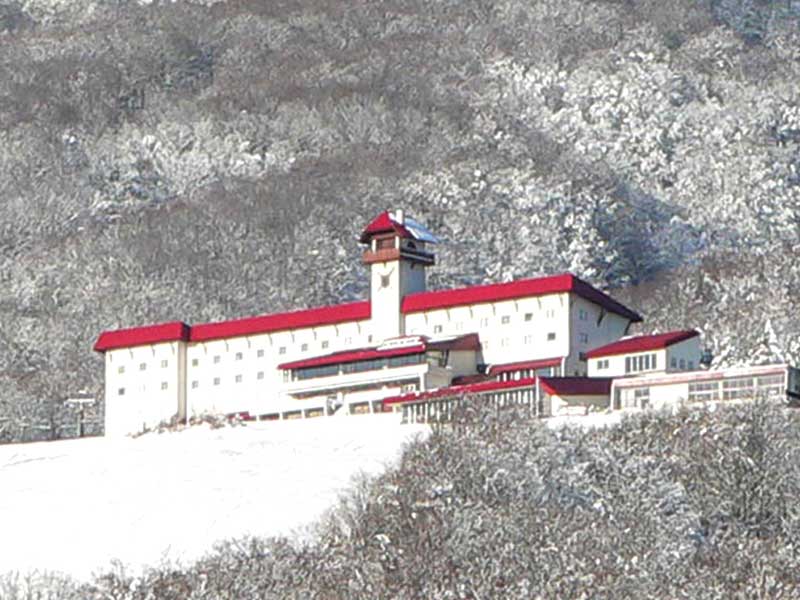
[576, 386]
[643, 343]
[523, 288]
[524, 365]
[383, 223]
[326, 315]
[351, 356]
[142, 336]
[461, 390]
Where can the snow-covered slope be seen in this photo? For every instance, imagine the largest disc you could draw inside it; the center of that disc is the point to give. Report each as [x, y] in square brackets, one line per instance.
[73, 506]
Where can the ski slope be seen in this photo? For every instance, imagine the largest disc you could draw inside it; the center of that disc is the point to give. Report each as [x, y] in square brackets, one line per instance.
[73, 506]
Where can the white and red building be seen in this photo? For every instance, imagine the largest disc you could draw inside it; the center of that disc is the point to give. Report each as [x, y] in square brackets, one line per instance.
[403, 344]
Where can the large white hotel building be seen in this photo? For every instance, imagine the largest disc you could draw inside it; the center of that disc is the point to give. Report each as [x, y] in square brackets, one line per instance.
[401, 344]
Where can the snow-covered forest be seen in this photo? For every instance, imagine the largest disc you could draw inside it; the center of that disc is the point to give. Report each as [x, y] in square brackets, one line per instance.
[202, 160]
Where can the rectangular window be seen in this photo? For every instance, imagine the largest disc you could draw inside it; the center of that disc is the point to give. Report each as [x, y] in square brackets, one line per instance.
[737, 389]
[528, 316]
[673, 362]
[260, 375]
[260, 353]
[550, 313]
[303, 347]
[142, 366]
[551, 336]
[121, 392]
[195, 384]
[216, 380]
[195, 362]
[282, 350]
[238, 379]
[164, 364]
[703, 391]
[642, 397]
[505, 319]
[682, 364]
[164, 385]
[583, 338]
[121, 370]
[485, 345]
[325, 344]
[216, 359]
[628, 364]
[348, 341]
[239, 356]
[505, 342]
[484, 322]
[437, 329]
[528, 339]
[691, 365]
[583, 315]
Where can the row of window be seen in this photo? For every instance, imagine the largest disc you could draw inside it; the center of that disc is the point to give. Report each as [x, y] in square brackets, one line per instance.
[164, 386]
[142, 367]
[681, 364]
[741, 388]
[526, 339]
[643, 362]
[434, 357]
[504, 320]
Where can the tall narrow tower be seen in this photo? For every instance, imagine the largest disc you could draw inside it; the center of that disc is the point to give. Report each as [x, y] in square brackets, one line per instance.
[397, 254]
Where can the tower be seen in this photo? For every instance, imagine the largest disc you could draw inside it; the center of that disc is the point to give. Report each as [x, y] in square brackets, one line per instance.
[397, 255]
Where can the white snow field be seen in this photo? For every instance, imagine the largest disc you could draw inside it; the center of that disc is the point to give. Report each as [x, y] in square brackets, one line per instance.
[73, 506]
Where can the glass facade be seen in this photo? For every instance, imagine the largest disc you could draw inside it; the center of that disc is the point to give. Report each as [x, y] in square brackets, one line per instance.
[360, 366]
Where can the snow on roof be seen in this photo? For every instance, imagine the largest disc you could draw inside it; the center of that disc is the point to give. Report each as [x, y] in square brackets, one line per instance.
[643, 343]
[405, 227]
[576, 386]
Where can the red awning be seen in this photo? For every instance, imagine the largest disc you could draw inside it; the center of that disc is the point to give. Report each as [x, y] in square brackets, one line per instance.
[576, 386]
[525, 365]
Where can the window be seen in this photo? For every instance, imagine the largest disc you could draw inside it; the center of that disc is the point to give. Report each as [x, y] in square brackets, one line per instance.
[121, 392]
[238, 379]
[369, 338]
[260, 353]
[348, 341]
[216, 359]
[239, 356]
[195, 362]
[484, 322]
[583, 338]
[642, 397]
[195, 384]
[121, 370]
[682, 364]
[602, 364]
[216, 380]
[485, 345]
[260, 375]
[550, 313]
[735, 389]
[528, 339]
[142, 366]
[505, 342]
[643, 362]
[304, 348]
[164, 364]
[703, 391]
[324, 344]
[691, 365]
[551, 336]
[437, 329]
[771, 385]
[583, 315]
[673, 362]
[529, 316]
[164, 385]
[282, 350]
[505, 319]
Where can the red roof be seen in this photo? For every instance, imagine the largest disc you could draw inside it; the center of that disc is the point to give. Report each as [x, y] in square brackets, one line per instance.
[576, 386]
[326, 315]
[460, 390]
[643, 343]
[383, 223]
[350, 356]
[524, 365]
[142, 336]
[464, 342]
[523, 288]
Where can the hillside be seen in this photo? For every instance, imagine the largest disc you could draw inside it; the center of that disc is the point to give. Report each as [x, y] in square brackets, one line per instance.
[75, 506]
[205, 160]
[700, 504]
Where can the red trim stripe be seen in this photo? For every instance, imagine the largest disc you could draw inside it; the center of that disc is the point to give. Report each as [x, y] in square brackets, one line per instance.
[176, 331]
[460, 390]
[525, 365]
[352, 356]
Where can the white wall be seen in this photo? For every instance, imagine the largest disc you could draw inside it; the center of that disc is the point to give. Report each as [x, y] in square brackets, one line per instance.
[587, 333]
[576, 405]
[147, 391]
[616, 364]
